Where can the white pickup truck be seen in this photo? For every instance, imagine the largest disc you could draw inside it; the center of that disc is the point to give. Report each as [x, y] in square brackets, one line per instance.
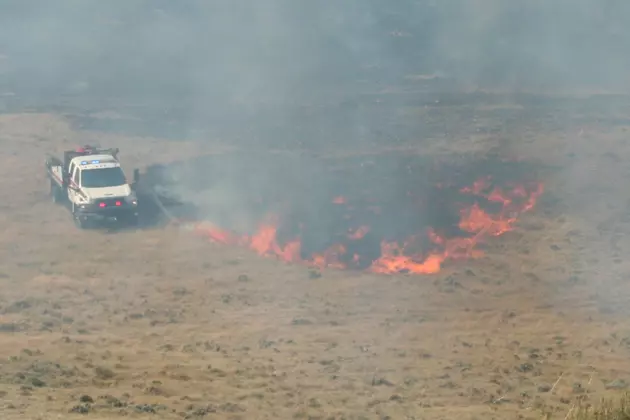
[92, 183]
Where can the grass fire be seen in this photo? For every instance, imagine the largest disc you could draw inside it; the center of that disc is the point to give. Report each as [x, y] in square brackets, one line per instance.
[386, 214]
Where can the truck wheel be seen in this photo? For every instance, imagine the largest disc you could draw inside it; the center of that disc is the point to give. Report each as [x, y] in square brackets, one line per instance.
[79, 222]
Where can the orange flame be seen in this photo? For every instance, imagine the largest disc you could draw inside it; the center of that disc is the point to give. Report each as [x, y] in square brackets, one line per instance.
[359, 233]
[397, 257]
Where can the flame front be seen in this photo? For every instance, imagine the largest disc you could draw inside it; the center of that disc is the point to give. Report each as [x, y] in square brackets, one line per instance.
[401, 256]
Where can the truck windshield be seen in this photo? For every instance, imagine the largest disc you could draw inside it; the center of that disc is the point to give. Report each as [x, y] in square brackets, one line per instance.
[102, 178]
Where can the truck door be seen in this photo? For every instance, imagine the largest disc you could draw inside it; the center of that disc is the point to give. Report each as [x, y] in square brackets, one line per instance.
[74, 183]
[69, 175]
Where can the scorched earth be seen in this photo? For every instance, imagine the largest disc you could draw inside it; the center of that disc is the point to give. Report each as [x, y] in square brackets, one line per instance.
[407, 231]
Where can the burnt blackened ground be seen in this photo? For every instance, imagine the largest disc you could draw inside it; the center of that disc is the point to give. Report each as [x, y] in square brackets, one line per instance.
[322, 200]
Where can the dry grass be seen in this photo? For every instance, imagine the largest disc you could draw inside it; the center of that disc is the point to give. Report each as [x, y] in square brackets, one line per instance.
[606, 410]
[162, 324]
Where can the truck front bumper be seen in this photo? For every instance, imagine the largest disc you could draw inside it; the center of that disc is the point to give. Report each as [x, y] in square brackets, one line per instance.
[111, 214]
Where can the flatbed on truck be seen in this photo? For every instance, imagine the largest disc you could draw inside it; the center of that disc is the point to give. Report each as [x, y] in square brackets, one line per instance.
[90, 180]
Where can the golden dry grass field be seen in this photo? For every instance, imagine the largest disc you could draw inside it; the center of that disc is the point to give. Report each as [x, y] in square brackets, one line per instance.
[160, 323]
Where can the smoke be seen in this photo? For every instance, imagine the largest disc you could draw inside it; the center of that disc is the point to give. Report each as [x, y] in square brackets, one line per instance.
[283, 73]
[213, 57]
[536, 44]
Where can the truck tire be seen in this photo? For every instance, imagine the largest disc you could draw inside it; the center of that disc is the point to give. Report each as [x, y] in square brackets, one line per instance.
[78, 222]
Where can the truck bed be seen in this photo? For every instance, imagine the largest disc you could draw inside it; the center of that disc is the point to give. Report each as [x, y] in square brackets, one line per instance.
[54, 168]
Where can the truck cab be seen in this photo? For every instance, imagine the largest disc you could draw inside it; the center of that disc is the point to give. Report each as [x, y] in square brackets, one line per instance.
[98, 189]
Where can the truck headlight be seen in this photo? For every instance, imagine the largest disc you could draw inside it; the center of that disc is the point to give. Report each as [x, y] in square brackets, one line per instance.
[133, 200]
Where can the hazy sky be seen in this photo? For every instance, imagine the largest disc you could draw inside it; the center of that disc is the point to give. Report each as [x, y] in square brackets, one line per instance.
[284, 49]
